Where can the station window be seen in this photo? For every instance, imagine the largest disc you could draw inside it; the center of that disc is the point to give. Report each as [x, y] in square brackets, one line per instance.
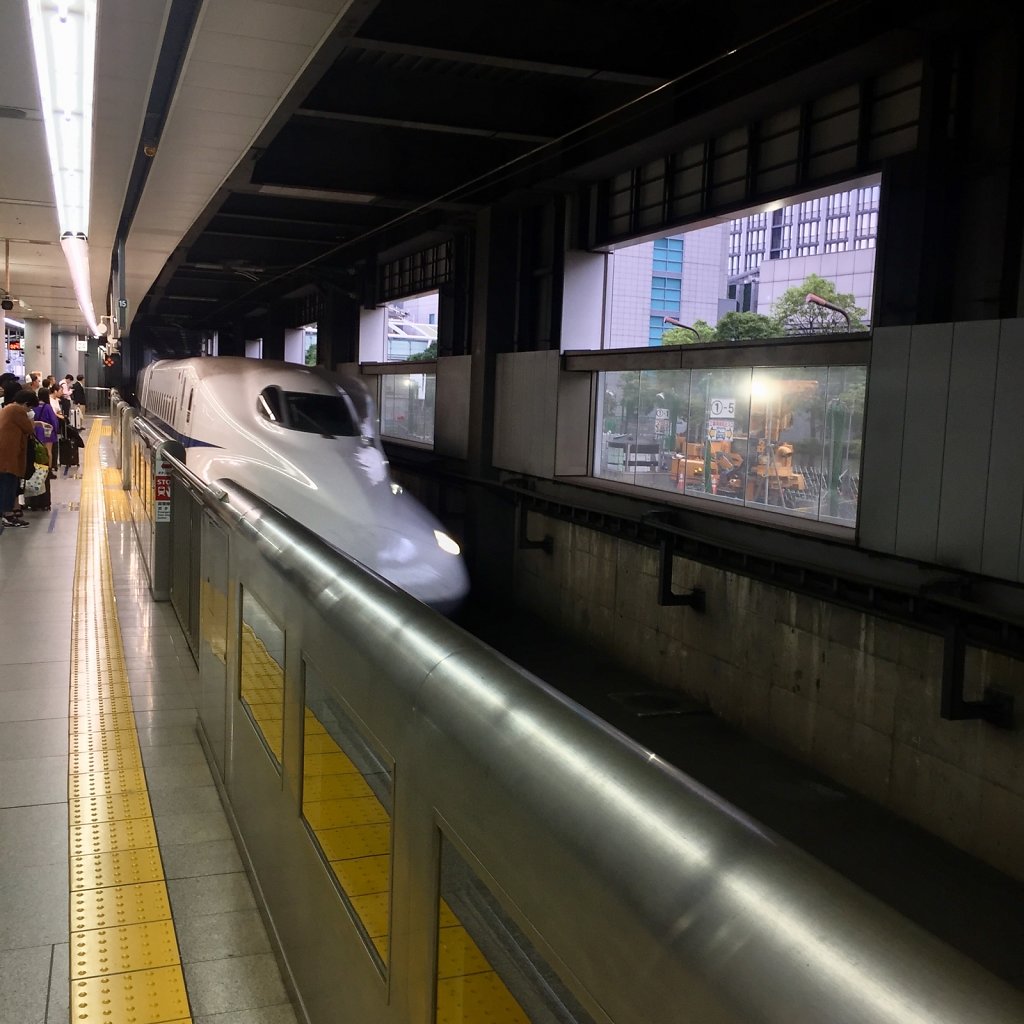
[782, 440]
[808, 244]
[261, 674]
[407, 407]
[347, 804]
[487, 968]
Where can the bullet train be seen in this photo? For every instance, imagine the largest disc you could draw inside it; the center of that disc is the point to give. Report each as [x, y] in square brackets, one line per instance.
[305, 441]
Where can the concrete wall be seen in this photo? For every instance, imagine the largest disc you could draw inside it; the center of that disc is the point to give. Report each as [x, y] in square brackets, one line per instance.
[853, 695]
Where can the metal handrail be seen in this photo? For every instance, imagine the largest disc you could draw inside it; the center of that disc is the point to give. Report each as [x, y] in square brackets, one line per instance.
[667, 903]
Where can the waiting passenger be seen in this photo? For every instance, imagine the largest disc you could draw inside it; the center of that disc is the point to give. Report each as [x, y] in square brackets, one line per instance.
[15, 433]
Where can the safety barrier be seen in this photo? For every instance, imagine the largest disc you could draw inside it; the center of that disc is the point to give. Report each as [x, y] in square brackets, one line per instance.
[436, 835]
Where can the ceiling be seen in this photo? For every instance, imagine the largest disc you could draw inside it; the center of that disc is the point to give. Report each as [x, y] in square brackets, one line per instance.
[295, 129]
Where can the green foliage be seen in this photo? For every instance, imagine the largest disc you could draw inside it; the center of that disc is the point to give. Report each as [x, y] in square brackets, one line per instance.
[681, 336]
[428, 354]
[796, 315]
[311, 355]
[746, 326]
[732, 327]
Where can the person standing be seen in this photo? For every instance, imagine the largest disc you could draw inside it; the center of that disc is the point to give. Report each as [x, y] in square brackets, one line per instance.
[78, 399]
[16, 430]
[47, 428]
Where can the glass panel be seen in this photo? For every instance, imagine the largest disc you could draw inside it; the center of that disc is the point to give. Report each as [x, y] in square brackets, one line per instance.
[487, 969]
[407, 406]
[659, 452]
[844, 427]
[787, 414]
[716, 442]
[618, 413]
[261, 670]
[347, 801]
[213, 636]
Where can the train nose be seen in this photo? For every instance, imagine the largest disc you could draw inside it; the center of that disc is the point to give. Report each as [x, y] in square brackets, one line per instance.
[427, 563]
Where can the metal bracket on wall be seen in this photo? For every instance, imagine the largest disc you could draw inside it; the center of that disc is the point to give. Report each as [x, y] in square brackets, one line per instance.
[995, 706]
[547, 544]
[666, 596]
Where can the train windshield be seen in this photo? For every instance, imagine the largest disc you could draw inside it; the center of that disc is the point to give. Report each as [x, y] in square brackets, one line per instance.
[331, 415]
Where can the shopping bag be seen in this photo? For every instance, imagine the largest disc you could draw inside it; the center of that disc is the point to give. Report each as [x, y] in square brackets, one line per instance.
[36, 483]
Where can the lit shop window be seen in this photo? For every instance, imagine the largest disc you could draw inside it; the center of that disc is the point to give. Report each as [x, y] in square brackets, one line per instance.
[782, 440]
[407, 407]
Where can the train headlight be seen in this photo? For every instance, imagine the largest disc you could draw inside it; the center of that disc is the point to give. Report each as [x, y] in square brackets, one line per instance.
[445, 543]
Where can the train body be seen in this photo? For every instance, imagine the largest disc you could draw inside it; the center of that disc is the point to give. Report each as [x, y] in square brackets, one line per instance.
[306, 441]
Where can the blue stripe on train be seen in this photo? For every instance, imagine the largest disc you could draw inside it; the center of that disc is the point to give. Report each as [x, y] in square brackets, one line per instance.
[183, 439]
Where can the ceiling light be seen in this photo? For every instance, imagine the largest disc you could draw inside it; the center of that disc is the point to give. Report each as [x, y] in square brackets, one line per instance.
[76, 252]
[13, 323]
[64, 43]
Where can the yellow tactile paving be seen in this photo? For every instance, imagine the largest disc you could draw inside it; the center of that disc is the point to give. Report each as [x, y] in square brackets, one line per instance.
[120, 759]
[100, 783]
[469, 990]
[122, 867]
[362, 876]
[458, 954]
[324, 814]
[477, 999]
[119, 905]
[125, 964]
[115, 496]
[355, 841]
[139, 997]
[108, 807]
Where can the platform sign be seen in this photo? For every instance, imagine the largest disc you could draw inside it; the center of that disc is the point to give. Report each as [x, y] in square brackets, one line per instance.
[162, 492]
[721, 419]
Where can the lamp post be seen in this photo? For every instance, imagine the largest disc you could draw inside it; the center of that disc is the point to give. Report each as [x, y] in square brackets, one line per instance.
[817, 300]
[686, 327]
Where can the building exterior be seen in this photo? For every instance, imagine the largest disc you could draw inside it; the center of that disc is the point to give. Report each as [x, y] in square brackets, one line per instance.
[743, 265]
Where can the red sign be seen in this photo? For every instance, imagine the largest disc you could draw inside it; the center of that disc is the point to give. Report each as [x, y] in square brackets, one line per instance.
[162, 488]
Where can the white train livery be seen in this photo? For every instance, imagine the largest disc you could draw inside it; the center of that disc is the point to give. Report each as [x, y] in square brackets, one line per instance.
[305, 441]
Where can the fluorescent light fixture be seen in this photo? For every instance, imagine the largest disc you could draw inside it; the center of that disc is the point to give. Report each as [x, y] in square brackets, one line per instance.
[13, 323]
[76, 252]
[64, 43]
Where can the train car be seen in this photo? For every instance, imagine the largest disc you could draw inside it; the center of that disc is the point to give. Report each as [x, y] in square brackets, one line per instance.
[306, 441]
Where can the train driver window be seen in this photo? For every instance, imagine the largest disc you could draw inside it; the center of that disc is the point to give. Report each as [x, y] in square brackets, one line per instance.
[330, 415]
[268, 405]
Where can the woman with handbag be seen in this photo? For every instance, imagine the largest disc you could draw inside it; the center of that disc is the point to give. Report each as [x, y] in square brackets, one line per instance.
[16, 430]
[48, 428]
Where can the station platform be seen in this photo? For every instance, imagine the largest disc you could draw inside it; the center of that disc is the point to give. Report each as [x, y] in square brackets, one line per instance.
[122, 896]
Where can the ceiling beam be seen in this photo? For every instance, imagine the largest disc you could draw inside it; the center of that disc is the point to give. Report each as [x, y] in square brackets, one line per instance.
[490, 60]
[423, 126]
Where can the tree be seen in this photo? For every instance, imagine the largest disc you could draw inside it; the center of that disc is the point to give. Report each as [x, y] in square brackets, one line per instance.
[746, 326]
[429, 353]
[796, 315]
[681, 336]
[732, 327]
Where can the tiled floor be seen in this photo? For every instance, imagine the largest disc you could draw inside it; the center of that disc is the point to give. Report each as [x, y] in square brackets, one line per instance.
[230, 973]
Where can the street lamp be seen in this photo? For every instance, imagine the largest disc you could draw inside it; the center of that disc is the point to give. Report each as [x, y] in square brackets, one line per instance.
[817, 300]
[686, 327]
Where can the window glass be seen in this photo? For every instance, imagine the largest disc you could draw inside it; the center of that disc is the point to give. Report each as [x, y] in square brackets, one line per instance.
[261, 671]
[784, 440]
[487, 968]
[347, 801]
[268, 405]
[407, 406]
[319, 414]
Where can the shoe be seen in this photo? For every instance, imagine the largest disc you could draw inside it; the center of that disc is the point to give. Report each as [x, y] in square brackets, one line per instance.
[15, 524]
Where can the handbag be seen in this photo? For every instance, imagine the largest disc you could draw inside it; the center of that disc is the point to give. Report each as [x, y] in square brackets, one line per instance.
[36, 483]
